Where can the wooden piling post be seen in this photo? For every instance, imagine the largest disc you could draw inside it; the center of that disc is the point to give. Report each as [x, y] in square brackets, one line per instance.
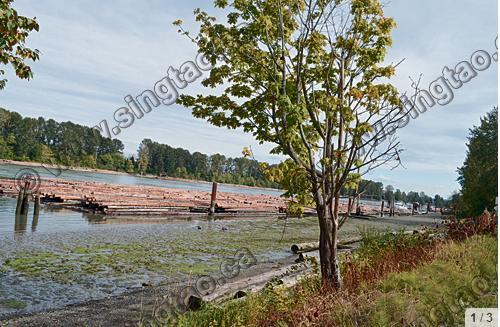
[358, 208]
[19, 201]
[213, 198]
[37, 206]
[36, 213]
[382, 209]
[25, 204]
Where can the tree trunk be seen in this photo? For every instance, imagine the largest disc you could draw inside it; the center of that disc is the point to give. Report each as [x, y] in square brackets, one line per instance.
[330, 271]
[334, 212]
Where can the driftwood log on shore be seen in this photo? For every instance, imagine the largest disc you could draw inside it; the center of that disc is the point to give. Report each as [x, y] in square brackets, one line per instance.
[287, 276]
[313, 246]
[305, 247]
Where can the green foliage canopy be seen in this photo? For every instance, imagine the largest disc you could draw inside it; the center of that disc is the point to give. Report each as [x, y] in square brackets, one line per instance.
[14, 30]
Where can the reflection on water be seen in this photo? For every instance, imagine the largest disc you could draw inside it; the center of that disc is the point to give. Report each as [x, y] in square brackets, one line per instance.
[48, 219]
[20, 224]
[34, 223]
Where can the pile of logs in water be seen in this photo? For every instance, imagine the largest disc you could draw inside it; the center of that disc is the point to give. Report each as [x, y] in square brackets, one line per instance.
[135, 200]
[140, 200]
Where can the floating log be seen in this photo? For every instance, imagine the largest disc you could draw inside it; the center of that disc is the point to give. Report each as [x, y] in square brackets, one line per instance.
[133, 200]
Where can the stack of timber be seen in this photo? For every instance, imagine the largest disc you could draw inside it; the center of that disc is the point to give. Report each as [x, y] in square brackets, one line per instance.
[127, 200]
[139, 200]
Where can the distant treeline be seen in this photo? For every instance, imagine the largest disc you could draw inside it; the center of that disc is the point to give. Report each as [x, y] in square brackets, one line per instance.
[69, 144]
[48, 141]
[163, 160]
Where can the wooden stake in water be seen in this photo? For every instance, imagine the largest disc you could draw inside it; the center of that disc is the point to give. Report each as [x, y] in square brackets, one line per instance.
[19, 201]
[358, 208]
[37, 206]
[213, 199]
[382, 209]
[25, 205]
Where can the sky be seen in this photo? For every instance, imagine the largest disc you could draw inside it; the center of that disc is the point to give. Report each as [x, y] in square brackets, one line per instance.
[94, 53]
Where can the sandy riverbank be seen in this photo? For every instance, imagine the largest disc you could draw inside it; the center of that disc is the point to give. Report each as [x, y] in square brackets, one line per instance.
[57, 168]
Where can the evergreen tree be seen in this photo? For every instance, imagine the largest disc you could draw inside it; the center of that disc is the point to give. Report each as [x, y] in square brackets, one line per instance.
[479, 174]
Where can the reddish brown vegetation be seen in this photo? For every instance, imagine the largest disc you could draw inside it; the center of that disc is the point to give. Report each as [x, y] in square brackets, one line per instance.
[318, 308]
[397, 255]
[393, 261]
[460, 229]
